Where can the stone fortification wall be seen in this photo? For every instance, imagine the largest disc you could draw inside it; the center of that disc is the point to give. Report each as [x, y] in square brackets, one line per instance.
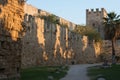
[47, 43]
[30, 10]
[44, 42]
[107, 49]
[11, 17]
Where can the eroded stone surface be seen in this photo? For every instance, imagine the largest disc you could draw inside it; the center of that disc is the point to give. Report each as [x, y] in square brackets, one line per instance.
[11, 16]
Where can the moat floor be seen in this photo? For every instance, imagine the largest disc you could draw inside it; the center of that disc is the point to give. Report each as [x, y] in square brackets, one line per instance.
[78, 72]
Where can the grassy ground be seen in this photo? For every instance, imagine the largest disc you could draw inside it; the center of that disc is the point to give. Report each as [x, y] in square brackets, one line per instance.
[111, 73]
[42, 73]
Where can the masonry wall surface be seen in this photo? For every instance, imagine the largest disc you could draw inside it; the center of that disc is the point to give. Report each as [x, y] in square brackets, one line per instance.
[11, 16]
[47, 43]
[106, 51]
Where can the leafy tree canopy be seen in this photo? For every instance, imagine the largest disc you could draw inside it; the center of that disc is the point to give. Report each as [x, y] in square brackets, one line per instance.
[88, 31]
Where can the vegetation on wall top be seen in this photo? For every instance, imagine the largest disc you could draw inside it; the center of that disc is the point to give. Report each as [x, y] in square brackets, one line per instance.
[51, 18]
[88, 31]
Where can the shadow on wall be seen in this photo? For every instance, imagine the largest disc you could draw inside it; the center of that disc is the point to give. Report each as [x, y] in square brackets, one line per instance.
[10, 53]
[47, 43]
[31, 49]
[55, 43]
[44, 43]
[3, 2]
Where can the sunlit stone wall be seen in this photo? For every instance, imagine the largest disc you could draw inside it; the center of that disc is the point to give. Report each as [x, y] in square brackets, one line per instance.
[11, 17]
[47, 43]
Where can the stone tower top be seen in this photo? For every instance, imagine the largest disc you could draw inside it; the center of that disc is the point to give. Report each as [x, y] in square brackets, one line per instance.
[95, 15]
[95, 11]
[94, 18]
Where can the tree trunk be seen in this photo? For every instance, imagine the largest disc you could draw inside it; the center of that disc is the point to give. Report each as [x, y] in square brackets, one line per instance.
[113, 52]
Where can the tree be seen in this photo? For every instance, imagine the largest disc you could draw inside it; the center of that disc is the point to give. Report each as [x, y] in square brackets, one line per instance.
[112, 30]
[88, 31]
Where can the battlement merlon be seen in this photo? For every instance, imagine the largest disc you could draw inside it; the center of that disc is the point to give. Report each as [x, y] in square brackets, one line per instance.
[103, 10]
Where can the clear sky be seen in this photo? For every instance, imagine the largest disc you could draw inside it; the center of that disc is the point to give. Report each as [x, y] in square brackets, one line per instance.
[74, 10]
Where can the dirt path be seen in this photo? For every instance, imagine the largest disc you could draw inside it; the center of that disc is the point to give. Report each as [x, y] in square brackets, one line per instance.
[78, 72]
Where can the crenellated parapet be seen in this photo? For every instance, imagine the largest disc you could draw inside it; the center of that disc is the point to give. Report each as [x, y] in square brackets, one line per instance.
[97, 10]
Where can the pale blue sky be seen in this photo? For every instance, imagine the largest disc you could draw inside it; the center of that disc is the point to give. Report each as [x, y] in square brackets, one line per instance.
[74, 10]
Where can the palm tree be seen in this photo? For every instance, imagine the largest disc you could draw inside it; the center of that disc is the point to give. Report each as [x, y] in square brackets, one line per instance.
[112, 30]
